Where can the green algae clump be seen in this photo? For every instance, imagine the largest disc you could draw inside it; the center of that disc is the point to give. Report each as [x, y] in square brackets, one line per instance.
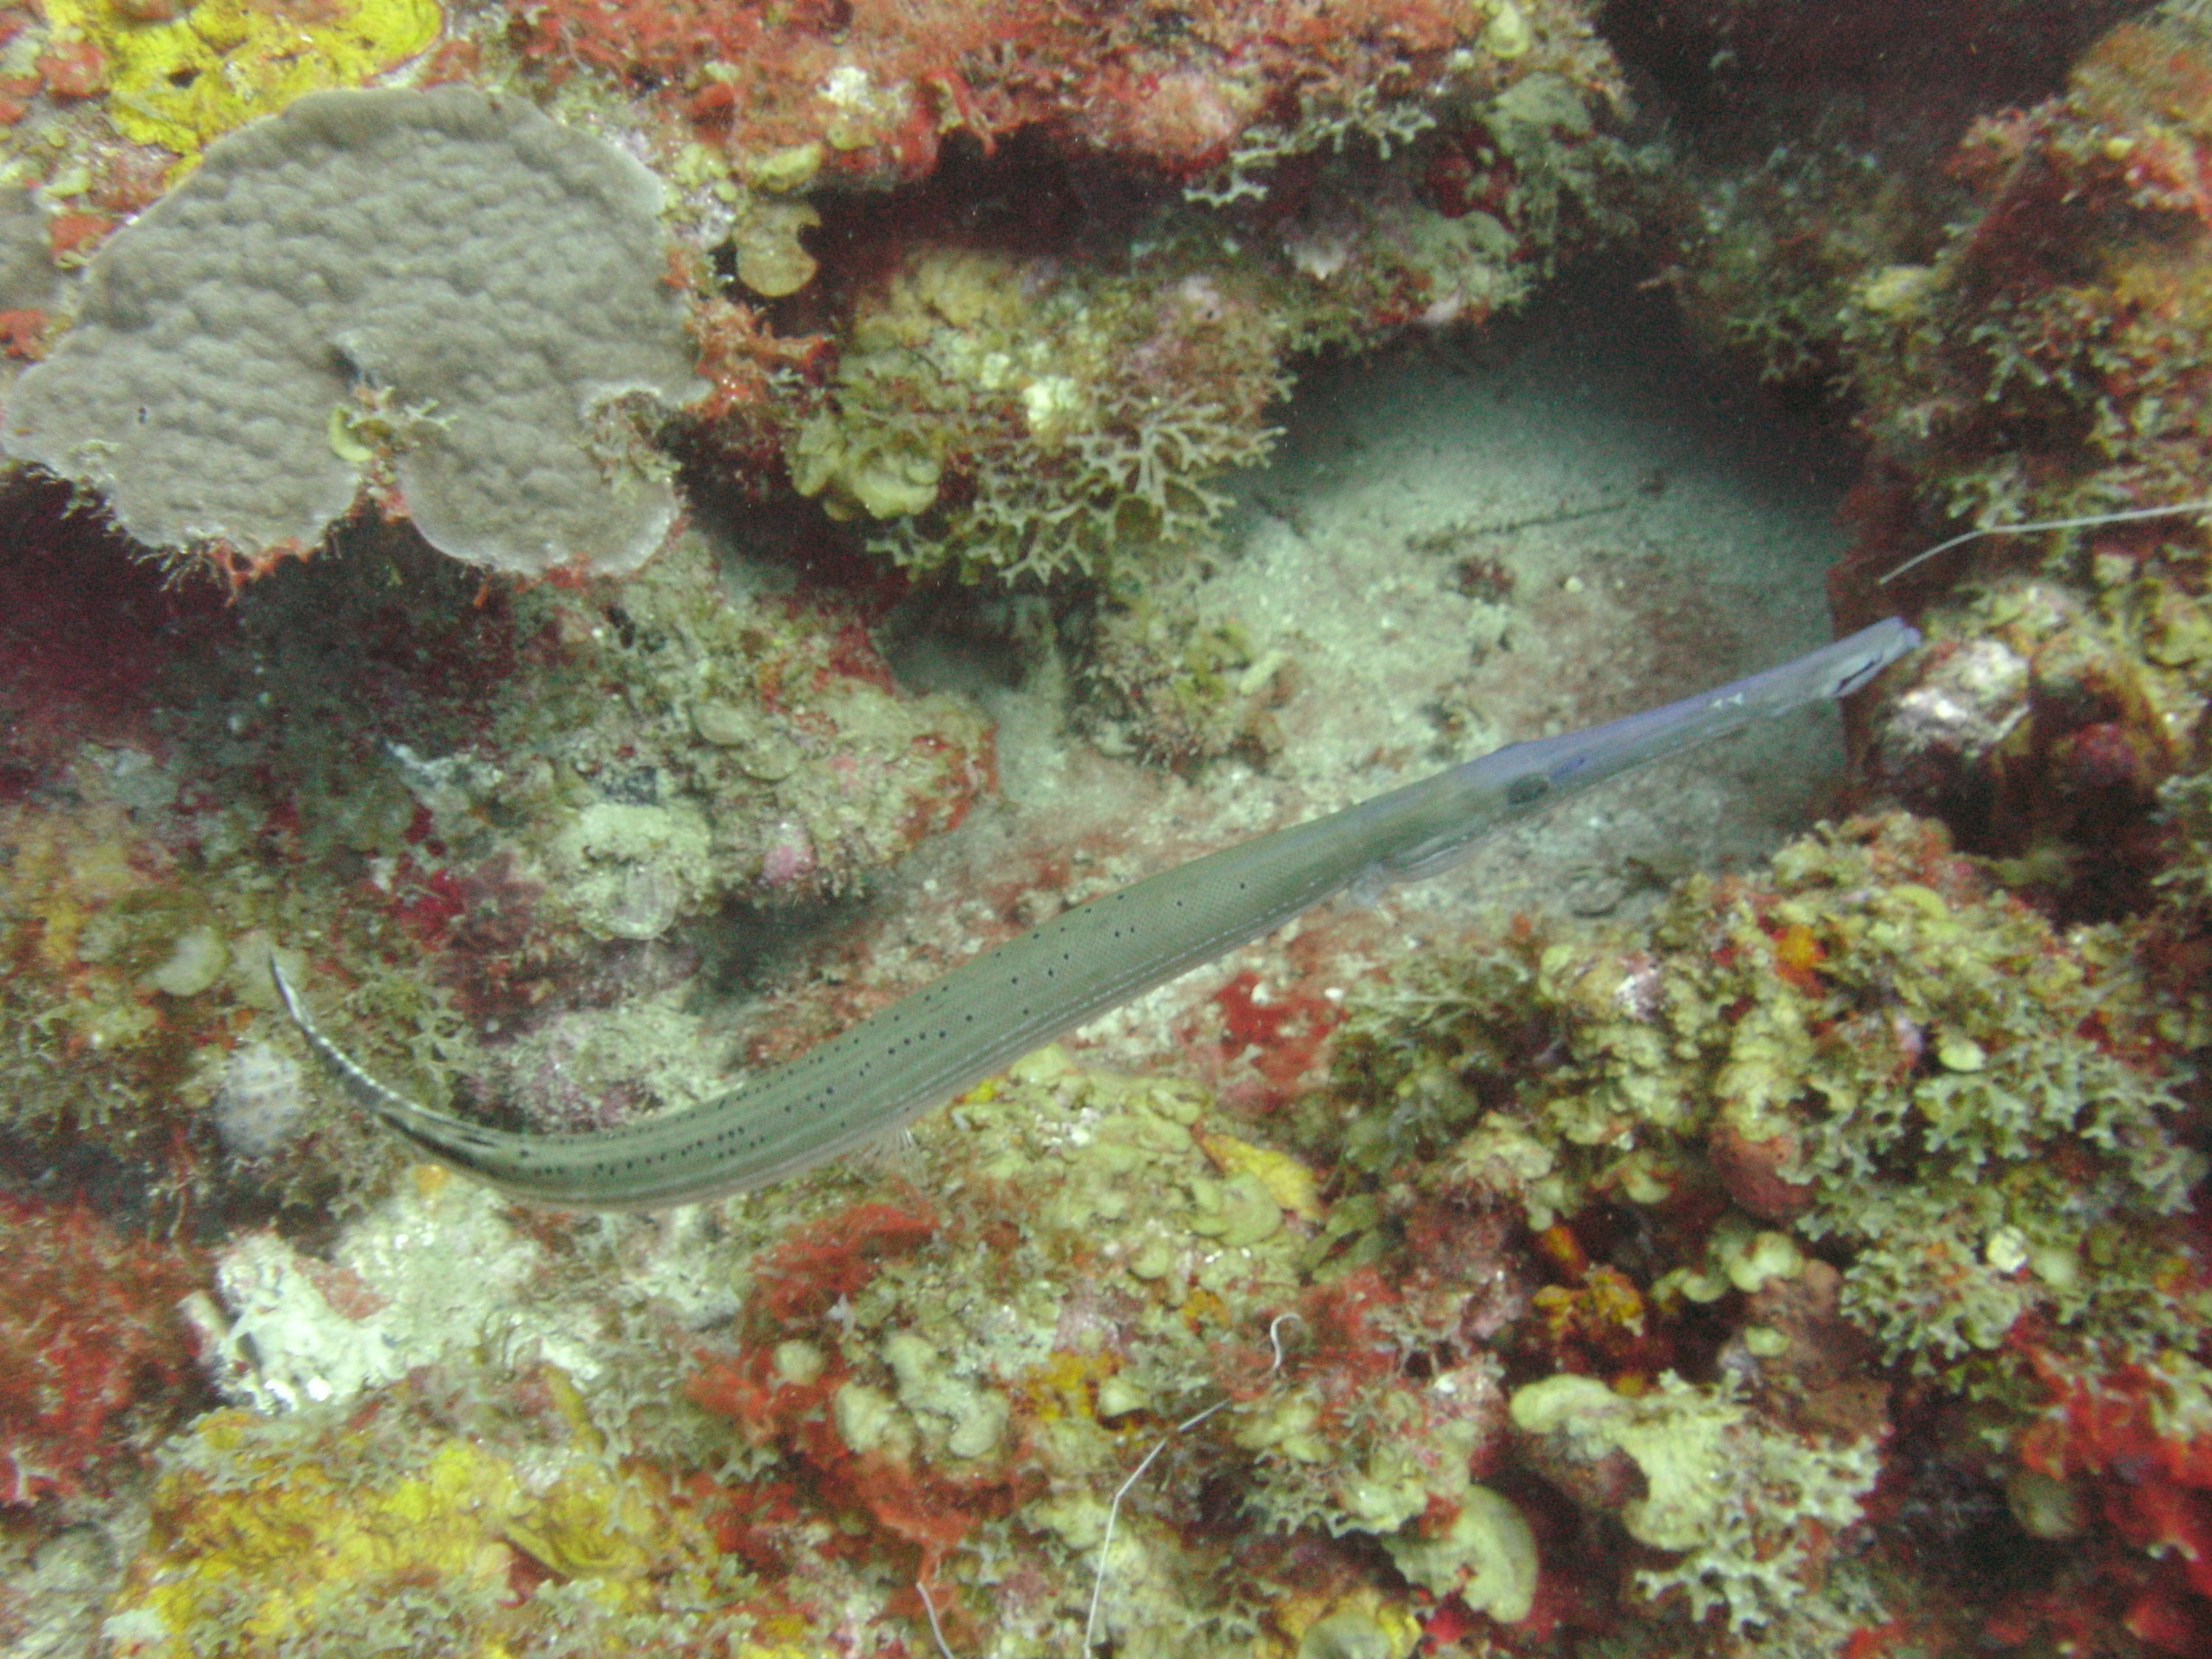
[1743, 1503]
[992, 415]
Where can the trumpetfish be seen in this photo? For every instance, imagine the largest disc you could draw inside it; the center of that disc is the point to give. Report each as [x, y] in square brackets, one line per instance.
[977, 1018]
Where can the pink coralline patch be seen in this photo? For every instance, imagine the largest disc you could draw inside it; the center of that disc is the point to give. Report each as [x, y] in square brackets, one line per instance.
[1465, 174]
[23, 333]
[1186, 120]
[93, 1360]
[2107, 756]
[877, 81]
[789, 858]
[741, 359]
[1826, 1382]
[833, 1259]
[73, 70]
[1468, 1272]
[1282, 1032]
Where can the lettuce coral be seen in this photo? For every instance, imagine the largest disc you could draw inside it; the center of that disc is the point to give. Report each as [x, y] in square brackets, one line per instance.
[1875, 1051]
[377, 287]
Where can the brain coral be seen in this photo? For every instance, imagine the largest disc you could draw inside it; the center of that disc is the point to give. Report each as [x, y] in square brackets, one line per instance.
[440, 283]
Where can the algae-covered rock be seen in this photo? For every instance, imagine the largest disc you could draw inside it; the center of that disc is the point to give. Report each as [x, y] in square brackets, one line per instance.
[1875, 1031]
[1039, 386]
[1747, 1506]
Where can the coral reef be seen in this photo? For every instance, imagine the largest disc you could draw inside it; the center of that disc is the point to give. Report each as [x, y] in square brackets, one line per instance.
[1817, 143]
[1746, 1542]
[909, 1390]
[2041, 364]
[1035, 410]
[1814, 1266]
[2042, 358]
[1770, 256]
[1011, 390]
[1053, 391]
[1867, 1099]
[1622, 1279]
[2046, 361]
[1852, 1053]
[53, 1590]
[943, 1381]
[869, 94]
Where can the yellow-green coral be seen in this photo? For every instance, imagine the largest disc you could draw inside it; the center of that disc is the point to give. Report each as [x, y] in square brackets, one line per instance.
[354, 1532]
[1487, 1555]
[181, 82]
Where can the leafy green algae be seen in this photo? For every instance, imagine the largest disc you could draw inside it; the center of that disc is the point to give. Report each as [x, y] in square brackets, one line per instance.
[996, 415]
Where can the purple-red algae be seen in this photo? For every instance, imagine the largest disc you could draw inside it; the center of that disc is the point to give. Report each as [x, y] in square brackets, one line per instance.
[96, 1366]
[872, 89]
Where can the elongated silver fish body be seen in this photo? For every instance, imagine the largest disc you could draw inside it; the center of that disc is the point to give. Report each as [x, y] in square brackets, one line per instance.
[977, 1018]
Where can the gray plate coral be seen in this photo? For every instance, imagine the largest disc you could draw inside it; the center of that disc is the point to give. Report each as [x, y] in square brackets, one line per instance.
[442, 288]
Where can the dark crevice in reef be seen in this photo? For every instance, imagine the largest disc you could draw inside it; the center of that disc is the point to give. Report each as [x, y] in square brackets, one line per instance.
[1028, 197]
[1732, 74]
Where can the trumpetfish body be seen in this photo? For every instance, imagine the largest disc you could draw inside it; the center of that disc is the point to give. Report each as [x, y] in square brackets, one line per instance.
[982, 1015]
